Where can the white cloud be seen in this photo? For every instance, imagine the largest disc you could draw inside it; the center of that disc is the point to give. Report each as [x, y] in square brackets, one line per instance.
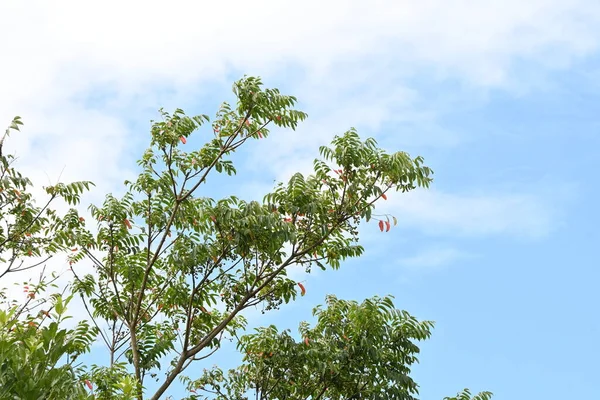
[432, 258]
[354, 59]
[134, 43]
[429, 259]
[446, 214]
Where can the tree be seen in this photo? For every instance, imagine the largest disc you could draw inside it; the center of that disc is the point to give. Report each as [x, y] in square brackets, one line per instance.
[29, 232]
[32, 353]
[32, 343]
[173, 271]
[354, 351]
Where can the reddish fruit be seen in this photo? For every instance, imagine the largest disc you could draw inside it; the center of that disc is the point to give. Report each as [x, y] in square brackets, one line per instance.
[381, 226]
[183, 139]
[81, 219]
[259, 134]
[31, 295]
[306, 341]
[388, 226]
[279, 118]
[88, 384]
[302, 289]
[28, 234]
[213, 219]
[383, 196]
[127, 223]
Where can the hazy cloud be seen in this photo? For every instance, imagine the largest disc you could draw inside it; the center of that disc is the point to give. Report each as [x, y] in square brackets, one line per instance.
[432, 258]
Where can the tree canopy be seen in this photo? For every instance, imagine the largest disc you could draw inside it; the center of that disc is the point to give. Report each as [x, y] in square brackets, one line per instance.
[166, 272]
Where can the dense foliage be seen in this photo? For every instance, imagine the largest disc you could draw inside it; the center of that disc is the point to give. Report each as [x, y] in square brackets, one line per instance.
[171, 271]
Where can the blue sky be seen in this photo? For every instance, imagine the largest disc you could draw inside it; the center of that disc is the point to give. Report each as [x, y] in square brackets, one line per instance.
[499, 97]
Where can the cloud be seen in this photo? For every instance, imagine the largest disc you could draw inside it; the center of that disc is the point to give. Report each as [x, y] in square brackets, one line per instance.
[433, 258]
[439, 213]
[139, 42]
[58, 50]
[353, 63]
[426, 260]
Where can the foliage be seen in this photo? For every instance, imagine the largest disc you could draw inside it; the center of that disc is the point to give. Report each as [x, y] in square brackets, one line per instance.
[354, 351]
[466, 395]
[29, 234]
[177, 269]
[174, 270]
[37, 354]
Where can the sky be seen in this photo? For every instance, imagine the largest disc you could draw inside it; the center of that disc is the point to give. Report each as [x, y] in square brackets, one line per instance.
[499, 97]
